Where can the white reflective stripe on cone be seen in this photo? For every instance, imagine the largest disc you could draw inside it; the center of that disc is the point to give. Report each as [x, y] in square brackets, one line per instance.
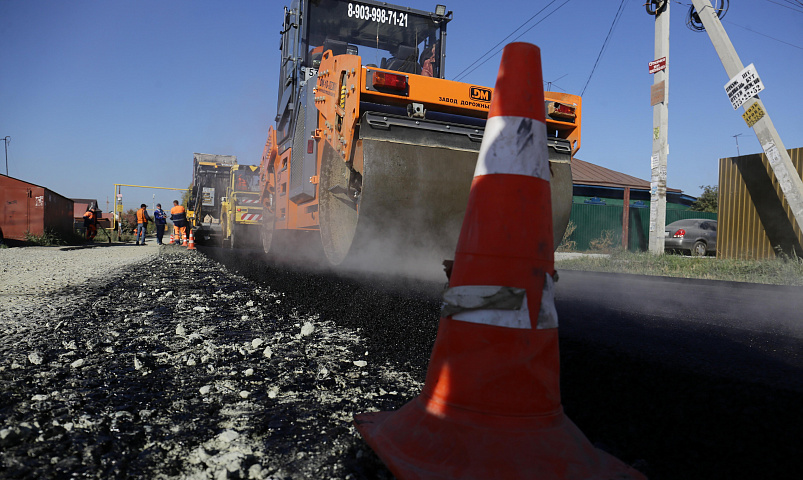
[514, 145]
[520, 317]
[481, 297]
[548, 315]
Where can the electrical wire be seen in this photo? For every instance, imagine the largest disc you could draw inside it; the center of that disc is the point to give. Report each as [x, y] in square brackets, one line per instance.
[764, 35]
[790, 5]
[605, 43]
[492, 51]
[539, 21]
[466, 70]
[694, 23]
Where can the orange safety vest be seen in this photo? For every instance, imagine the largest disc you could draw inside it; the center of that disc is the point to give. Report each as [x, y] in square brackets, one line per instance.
[142, 217]
[179, 216]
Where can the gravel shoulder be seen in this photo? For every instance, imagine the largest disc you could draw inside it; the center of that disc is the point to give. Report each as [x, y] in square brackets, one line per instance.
[37, 270]
[156, 362]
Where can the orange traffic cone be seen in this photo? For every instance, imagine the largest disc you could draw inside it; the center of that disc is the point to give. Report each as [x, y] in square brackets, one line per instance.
[191, 245]
[171, 239]
[183, 239]
[491, 405]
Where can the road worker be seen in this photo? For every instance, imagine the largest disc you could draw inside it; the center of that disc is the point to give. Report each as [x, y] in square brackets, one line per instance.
[179, 217]
[428, 59]
[241, 185]
[160, 219]
[91, 222]
[142, 223]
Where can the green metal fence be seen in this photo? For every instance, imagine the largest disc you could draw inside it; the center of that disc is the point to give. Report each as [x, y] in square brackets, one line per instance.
[599, 226]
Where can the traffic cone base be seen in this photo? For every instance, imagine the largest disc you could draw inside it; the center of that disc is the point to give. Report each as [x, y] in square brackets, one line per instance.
[417, 443]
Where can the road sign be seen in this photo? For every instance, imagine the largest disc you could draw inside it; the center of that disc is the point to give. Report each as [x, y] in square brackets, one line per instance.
[743, 85]
[658, 93]
[753, 114]
[657, 65]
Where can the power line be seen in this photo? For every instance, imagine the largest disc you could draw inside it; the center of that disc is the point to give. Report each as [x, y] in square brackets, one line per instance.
[764, 35]
[465, 72]
[790, 7]
[796, 3]
[539, 21]
[477, 62]
[605, 43]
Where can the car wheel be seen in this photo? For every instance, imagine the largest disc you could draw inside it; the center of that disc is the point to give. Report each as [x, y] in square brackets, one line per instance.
[699, 249]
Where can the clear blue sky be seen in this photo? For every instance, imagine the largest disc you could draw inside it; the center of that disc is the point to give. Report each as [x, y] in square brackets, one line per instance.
[94, 93]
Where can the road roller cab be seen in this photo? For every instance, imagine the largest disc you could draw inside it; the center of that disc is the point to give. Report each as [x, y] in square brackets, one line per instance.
[373, 150]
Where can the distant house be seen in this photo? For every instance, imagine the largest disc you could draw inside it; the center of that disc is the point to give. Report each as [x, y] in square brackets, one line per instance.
[592, 181]
[598, 208]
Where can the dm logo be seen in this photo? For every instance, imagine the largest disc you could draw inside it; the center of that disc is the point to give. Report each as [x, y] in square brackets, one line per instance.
[479, 93]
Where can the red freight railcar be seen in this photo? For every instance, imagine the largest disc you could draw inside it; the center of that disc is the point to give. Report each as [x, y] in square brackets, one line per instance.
[25, 207]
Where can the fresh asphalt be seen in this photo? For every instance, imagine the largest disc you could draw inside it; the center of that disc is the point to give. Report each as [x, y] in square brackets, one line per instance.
[728, 328]
[699, 378]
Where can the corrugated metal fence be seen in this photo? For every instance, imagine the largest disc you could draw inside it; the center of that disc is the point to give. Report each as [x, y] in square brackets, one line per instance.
[756, 218]
[600, 226]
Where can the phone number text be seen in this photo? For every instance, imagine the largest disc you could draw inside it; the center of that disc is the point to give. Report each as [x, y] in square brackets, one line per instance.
[377, 14]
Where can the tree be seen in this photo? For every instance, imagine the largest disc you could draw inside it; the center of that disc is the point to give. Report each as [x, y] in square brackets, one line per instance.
[128, 220]
[185, 197]
[707, 202]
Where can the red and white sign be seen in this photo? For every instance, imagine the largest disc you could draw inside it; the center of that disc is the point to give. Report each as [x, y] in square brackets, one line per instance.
[657, 65]
[249, 217]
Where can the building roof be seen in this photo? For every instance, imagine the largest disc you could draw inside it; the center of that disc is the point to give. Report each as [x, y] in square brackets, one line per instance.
[7, 181]
[585, 173]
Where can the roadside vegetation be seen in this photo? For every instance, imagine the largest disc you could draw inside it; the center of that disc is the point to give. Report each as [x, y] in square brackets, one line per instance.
[780, 271]
[52, 239]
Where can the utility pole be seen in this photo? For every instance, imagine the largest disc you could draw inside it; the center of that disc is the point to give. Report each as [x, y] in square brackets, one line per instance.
[755, 114]
[6, 139]
[659, 98]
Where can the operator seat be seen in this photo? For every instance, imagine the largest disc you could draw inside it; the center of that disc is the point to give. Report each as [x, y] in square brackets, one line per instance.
[405, 60]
